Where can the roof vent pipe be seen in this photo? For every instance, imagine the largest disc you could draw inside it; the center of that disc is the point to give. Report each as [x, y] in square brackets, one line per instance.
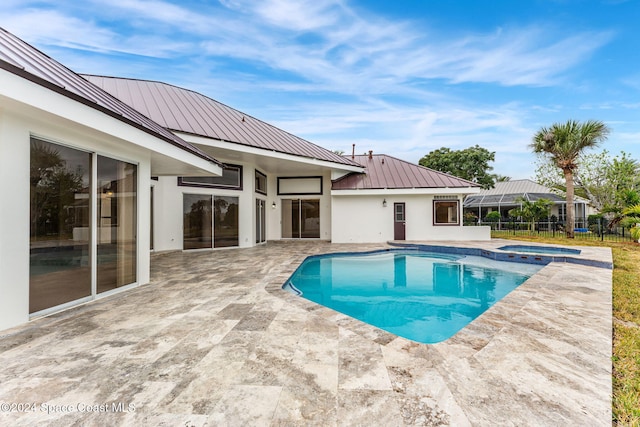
[370, 154]
[353, 151]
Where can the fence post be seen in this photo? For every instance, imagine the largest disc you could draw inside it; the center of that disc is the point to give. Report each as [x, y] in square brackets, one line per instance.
[601, 228]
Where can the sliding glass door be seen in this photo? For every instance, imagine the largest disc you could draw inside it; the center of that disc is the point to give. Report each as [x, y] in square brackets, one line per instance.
[61, 231]
[300, 218]
[117, 227]
[60, 255]
[210, 221]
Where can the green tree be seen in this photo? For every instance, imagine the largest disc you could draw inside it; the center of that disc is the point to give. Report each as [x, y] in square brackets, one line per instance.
[493, 217]
[532, 211]
[607, 182]
[471, 164]
[563, 143]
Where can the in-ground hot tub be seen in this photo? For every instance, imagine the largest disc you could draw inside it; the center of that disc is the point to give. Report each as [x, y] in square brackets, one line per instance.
[540, 249]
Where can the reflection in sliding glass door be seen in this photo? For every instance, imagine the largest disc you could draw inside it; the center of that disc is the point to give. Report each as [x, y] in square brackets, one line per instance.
[117, 227]
[59, 261]
[197, 221]
[300, 218]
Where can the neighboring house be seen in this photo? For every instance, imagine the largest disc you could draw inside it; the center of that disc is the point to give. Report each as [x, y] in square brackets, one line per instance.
[98, 171]
[505, 196]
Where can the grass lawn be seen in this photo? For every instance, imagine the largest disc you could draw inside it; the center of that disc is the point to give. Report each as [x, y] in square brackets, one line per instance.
[626, 324]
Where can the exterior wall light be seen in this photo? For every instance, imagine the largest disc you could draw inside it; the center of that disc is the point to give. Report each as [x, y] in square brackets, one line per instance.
[273, 205]
[384, 203]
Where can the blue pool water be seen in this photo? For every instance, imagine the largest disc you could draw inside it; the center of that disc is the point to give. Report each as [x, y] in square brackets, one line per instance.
[422, 296]
[540, 249]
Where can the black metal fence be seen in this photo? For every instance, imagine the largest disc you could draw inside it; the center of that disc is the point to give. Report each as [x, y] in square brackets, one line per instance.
[587, 229]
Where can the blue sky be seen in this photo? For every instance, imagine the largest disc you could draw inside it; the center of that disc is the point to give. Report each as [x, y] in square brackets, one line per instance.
[401, 78]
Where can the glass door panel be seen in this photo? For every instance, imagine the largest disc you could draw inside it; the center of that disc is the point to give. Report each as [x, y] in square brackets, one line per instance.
[310, 219]
[117, 227]
[261, 221]
[225, 222]
[290, 219]
[59, 259]
[197, 221]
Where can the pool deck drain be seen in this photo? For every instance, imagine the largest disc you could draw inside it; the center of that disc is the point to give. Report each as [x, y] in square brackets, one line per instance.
[213, 340]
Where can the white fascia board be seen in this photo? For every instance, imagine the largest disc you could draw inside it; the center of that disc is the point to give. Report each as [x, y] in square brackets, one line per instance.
[406, 191]
[216, 143]
[51, 103]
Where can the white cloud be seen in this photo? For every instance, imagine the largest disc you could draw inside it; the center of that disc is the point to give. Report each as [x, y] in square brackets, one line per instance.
[333, 73]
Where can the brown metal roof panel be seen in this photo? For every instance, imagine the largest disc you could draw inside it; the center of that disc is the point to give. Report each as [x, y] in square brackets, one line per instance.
[204, 116]
[389, 172]
[210, 122]
[214, 125]
[186, 114]
[228, 122]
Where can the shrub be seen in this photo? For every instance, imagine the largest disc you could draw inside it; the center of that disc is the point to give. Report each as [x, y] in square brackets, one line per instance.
[493, 216]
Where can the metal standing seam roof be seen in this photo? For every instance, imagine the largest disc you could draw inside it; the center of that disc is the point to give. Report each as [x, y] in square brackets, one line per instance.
[187, 111]
[24, 60]
[386, 172]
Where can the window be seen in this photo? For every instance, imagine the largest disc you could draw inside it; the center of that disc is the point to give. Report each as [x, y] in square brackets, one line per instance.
[445, 212]
[300, 185]
[231, 179]
[261, 183]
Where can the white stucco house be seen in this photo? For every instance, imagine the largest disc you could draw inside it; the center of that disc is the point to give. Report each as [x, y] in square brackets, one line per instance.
[97, 172]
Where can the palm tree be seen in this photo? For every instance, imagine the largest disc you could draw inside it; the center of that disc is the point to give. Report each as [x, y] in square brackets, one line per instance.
[563, 142]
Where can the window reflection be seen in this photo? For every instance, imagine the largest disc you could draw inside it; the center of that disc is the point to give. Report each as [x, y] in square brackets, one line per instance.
[117, 228]
[226, 230]
[196, 221]
[59, 261]
[445, 212]
[300, 218]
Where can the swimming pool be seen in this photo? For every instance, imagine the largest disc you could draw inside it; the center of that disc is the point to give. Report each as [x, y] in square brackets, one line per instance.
[422, 296]
[540, 249]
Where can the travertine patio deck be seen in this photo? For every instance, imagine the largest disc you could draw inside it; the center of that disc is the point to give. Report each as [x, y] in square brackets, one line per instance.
[214, 341]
